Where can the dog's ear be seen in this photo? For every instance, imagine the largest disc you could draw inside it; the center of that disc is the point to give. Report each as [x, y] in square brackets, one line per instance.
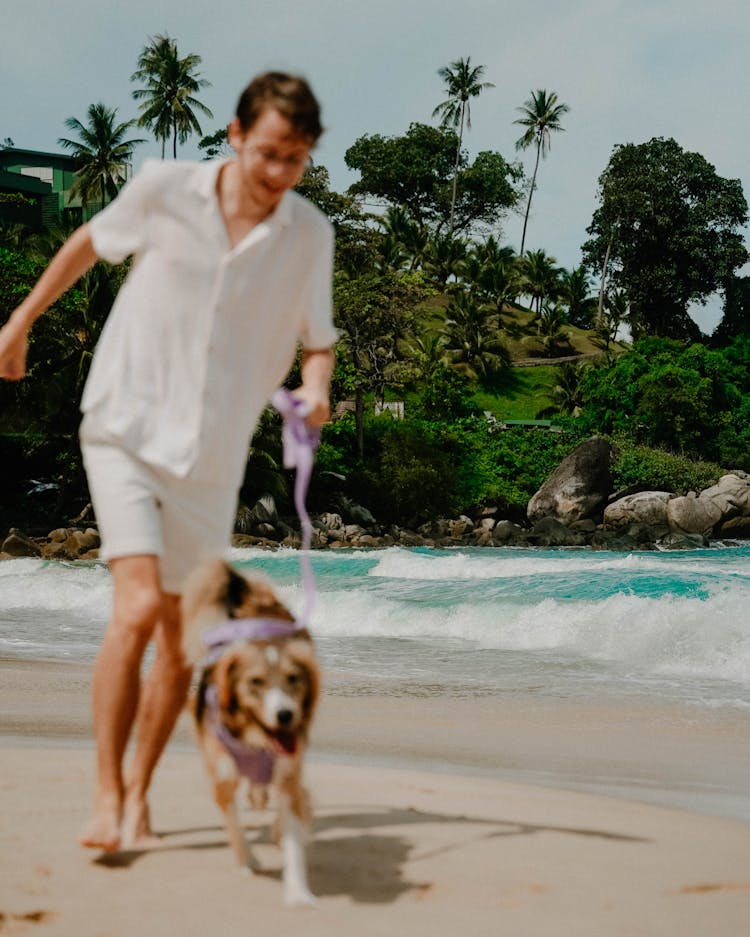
[253, 598]
[237, 589]
[225, 679]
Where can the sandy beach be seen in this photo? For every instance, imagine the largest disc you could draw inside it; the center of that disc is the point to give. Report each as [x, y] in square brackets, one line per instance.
[421, 825]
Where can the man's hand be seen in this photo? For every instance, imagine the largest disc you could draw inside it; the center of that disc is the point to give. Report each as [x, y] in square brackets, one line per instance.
[317, 367]
[14, 344]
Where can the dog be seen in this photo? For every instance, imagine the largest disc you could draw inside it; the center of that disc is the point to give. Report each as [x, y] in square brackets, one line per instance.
[253, 707]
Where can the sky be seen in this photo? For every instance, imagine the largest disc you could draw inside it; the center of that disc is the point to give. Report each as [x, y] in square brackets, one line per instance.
[629, 71]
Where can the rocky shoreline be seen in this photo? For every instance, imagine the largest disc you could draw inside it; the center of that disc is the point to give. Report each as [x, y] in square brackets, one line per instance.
[574, 508]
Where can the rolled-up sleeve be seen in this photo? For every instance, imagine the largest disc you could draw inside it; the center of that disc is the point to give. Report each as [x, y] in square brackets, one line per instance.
[318, 330]
[120, 229]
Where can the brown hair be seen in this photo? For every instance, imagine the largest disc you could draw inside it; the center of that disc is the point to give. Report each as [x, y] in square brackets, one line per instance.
[290, 95]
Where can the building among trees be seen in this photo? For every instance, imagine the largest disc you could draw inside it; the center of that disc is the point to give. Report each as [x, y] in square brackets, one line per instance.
[35, 189]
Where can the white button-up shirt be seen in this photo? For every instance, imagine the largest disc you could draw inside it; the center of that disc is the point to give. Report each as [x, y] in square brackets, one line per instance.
[201, 334]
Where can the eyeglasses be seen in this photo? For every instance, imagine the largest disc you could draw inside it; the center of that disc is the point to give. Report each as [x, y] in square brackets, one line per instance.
[294, 162]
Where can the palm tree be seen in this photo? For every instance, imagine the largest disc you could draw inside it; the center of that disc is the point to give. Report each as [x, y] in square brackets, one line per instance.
[168, 99]
[462, 82]
[551, 328]
[567, 394]
[539, 278]
[102, 153]
[541, 116]
[444, 258]
[472, 339]
[575, 290]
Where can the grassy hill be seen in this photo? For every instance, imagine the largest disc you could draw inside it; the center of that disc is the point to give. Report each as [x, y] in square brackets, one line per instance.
[519, 393]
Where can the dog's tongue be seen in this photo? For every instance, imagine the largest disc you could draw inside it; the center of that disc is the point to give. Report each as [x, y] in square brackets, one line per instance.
[285, 742]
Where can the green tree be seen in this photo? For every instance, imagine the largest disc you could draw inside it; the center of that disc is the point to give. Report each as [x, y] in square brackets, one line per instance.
[462, 82]
[551, 331]
[539, 277]
[374, 313]
[567, 393]
[735, 318]
[101, 151]
[444, 257]
[168, 102]
[415, 171]
[357, 241]
[214, 144]
[541, 117]
[668, 227]
[472, 338]
[575, 292]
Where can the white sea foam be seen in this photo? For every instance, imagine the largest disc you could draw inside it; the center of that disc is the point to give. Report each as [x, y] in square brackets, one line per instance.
[688, 622]
[403, 564]
[31, 584]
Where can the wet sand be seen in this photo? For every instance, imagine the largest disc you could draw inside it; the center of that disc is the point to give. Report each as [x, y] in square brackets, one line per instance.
[421, 825]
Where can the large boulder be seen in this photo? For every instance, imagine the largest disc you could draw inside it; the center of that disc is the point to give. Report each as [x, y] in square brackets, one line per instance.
[731, 495]
[579, 485]
[642, 507]
[691, 514]
[17, 544]
[736, 528]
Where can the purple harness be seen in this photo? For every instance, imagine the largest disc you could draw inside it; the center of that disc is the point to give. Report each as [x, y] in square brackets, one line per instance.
[255, 762]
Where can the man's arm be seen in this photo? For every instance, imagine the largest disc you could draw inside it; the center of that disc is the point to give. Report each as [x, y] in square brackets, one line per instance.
[75, 257]
[317, 367]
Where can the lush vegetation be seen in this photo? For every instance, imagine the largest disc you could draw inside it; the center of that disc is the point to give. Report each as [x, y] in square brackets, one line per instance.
[437, 313]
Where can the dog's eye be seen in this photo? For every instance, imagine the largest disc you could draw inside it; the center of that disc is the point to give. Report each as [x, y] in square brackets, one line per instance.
[257, 683]
[292, 679]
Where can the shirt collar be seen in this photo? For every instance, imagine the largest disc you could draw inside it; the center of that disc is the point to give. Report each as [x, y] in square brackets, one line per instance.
[205, 184]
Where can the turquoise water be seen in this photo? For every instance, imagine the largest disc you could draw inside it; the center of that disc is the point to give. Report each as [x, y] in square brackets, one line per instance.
[553, 623]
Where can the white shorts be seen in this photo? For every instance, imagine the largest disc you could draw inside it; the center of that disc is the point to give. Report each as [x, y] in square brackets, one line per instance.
[141, 510]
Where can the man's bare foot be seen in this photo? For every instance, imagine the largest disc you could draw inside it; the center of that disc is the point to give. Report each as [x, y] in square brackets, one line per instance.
[103, 829]
[136, 830]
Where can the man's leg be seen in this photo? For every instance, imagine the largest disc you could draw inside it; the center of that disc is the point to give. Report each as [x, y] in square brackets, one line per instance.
[162, 699]
[137, 605]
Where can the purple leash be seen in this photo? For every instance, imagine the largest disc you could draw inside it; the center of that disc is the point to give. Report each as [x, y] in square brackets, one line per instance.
[300, 443]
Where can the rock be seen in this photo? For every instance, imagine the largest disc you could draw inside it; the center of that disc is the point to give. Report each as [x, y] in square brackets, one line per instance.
[549, 532]
[506, 532]
[731, 494]
[331, 521]
[736, 528]
[682, 541]
[643, 507]
[57, 550]
[17, 544]
[367, 540]
[693, 515]
[354, 531]
[355, 513]
[645, 535]
[585, 526]
[462, 525]
[578, 486]
[59, 535]
[611, 540]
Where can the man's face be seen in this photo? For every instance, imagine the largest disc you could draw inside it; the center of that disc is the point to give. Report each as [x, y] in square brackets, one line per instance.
[271, 156]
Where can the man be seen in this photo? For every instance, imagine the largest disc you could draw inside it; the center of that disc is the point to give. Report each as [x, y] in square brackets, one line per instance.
[231, 270]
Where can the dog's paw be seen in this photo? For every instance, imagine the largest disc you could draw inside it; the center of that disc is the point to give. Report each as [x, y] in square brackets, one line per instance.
[299, 897]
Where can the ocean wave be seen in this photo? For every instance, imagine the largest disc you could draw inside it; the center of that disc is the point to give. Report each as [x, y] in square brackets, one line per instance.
[667, 635]
[398, 563]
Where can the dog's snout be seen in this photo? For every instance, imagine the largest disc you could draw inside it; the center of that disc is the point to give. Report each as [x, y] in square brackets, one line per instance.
[284, 717]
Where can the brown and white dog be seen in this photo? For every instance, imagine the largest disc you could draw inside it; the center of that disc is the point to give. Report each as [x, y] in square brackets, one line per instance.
[253, 706]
